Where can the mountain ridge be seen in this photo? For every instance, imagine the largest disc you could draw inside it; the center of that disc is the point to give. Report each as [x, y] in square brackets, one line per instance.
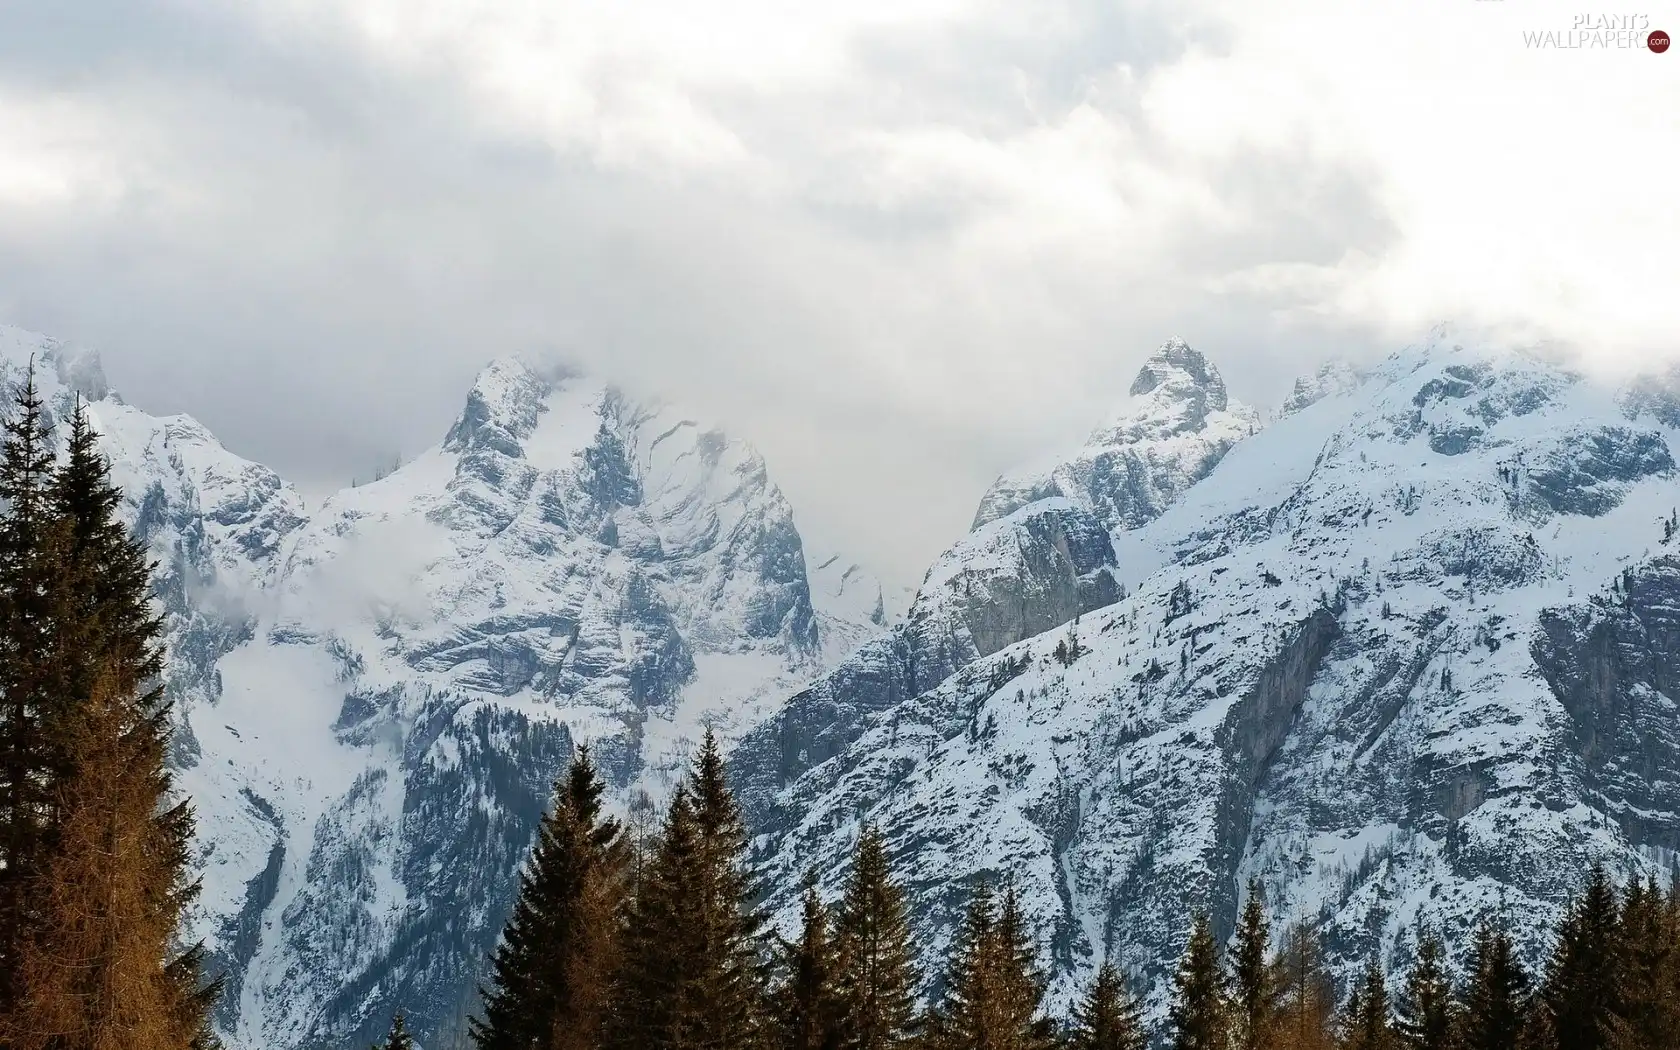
[1341, 664]
[374, 694]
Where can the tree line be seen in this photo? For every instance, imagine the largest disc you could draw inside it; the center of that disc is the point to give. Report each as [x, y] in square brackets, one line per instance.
[95, 845]
[619, 943]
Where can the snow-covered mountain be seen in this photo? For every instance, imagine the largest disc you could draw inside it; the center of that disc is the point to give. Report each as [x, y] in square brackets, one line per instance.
[1410, 653]
[376, 693]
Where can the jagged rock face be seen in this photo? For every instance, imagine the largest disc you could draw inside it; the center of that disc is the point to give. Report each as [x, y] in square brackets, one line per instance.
[1174, 429]
[1332, 379]
[1614, 663]
[1008, 580]
[1362, 663]
[1040, 554]
[566, 565]
[374, 696]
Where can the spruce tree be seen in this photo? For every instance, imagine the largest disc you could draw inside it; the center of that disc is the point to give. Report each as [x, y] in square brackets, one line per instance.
[108, 882]
[93, 967]
[1426, 1017]
[734, 984]
[1199, 1014]
[972, 1017]
[1255, 993]
[1308, 997]
[1021, 983]
[662, 941]
[1582, 989]
[1366, 1024]
[694, 974]
[399, 1039]
[807, 1004]
[550, 976]
[28, 765]
[1651, 1010]
[877, 969]
[1109, 1017]
[1496, 1002]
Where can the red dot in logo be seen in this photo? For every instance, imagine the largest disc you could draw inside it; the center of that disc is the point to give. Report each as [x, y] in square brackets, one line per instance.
[1657, 41]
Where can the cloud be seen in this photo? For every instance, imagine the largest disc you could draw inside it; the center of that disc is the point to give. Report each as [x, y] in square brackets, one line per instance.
[902, 244]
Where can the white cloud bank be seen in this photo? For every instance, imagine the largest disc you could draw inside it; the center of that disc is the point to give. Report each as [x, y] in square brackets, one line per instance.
[903, 243]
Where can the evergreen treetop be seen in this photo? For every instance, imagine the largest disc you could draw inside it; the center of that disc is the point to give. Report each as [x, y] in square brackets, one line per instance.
[1109, 1017]
[877, 979]
[1199, 1015]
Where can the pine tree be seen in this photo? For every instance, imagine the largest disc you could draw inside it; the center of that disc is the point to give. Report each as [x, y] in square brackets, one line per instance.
[1426, 1016]
[1109, 1018]
[877, 969]
[694, 975]
[1308, 998]
[398, 1039]
[1366, 1025]
[108, 880]
[1582, 989]
[970, 1015]
[662, 941]
[1199, 1013]
[1020, 981]
[1495, 1004]
[807, 1004]
[1650, 1008]
[92, 971]
[28, 765]
[1255, 992]
[550, 976]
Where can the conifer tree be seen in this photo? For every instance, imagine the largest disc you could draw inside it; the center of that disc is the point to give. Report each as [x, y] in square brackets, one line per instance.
[1020, 982]
[27, 763]
[1582, 989]
[734, 984]
[1109, 1018]
[1255, 992]
[398, 1039]
[971, 1018]
[550, 976]
[1651, 1009]
[107, 846]
[1366, 1025]
[1496, 1002]
[995, 989]
[1308, 998]
[1426, 1017]
[1199, 1014]
[662, 941]
[93, 968]
[877, 970]
[694, 976]
[807, 1004]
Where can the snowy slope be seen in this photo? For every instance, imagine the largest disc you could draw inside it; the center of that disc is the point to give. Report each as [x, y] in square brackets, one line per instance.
[1407, 654]
[376, 694]
[1024, 567]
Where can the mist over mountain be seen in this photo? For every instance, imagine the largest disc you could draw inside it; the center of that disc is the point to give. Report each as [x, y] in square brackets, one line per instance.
[1404, 652]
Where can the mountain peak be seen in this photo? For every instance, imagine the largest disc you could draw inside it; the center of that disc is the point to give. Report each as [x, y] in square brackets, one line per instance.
[1167, 435]
[77, 369]
[1178, 370]
[502, 407]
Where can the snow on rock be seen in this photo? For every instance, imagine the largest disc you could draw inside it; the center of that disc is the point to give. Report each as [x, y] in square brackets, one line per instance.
[1332, 379]
[1175, 426]
[1041, 553]
[374, 696]
[1402, 656]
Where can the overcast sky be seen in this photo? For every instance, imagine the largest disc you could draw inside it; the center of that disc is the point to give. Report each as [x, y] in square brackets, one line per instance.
[901, 244]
